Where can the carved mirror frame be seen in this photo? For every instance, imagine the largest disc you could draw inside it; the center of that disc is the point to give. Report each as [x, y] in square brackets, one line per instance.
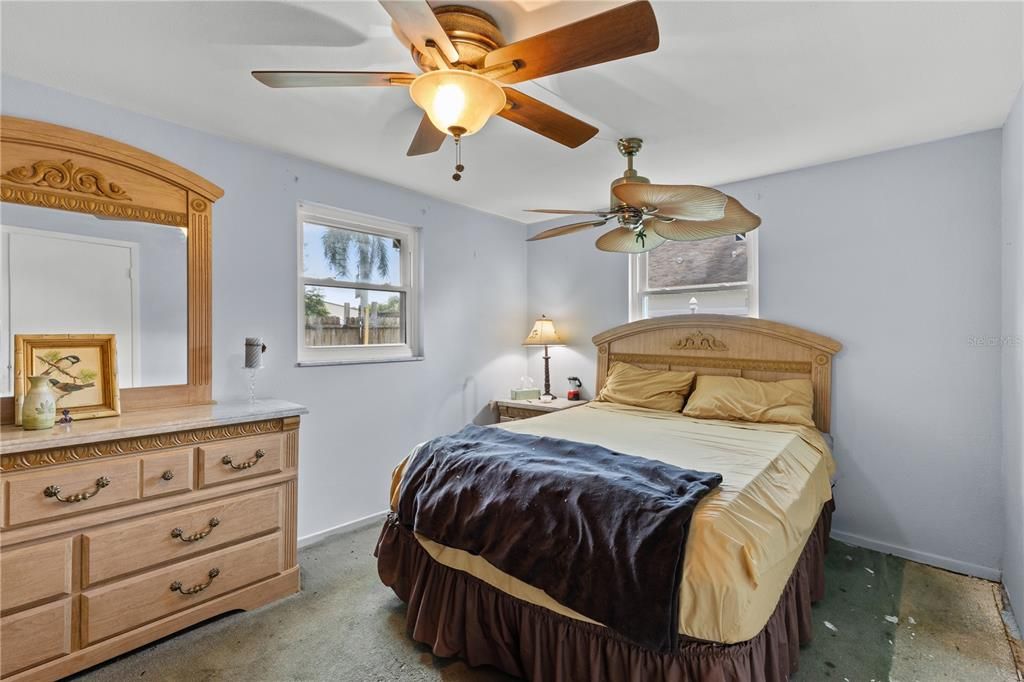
[47, 165]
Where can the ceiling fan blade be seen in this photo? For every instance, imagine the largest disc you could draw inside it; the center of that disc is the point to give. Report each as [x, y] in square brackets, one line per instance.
[566, 229]
[416, 20]
[737, 220]
[560, 211]
[685, 202]
[621, 32]
[331, 79]
[545, 120]
[623, 240]
[427, 139]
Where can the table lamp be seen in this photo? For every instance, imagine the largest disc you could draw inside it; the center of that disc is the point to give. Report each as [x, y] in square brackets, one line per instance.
[544, 334]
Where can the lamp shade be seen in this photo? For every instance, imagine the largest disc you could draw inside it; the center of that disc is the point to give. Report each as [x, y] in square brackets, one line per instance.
[543, 334]
[457, 102]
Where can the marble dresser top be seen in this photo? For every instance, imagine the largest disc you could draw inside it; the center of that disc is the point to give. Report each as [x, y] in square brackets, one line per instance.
[14, 439]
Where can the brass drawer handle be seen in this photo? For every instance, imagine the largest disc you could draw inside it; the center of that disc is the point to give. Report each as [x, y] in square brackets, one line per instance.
[167, 475]
[180, 534]
[54, 491]
[260, 454]
[176, 585]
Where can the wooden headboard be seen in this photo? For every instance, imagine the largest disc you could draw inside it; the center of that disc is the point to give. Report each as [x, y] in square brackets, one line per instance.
[727, 345]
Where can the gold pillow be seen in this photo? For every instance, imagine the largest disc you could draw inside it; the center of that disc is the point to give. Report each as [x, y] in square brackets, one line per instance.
[657, 389]
[784, 402]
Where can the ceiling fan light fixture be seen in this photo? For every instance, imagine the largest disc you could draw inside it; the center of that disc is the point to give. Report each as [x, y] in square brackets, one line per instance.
[457, 102]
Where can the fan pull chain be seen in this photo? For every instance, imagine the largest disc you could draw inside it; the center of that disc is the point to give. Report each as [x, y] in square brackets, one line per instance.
[457, 175]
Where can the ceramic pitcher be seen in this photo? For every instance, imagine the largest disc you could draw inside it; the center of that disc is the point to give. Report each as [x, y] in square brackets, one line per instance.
[39, 410]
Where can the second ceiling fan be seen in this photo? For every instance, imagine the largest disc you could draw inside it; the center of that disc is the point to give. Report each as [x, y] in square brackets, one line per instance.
[467, 68]
[648, 215]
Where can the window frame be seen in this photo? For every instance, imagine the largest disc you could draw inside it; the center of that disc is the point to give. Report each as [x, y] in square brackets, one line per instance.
[638, 279]
[411, 266]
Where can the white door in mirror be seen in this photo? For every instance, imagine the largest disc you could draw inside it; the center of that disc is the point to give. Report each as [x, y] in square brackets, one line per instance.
[65, 284]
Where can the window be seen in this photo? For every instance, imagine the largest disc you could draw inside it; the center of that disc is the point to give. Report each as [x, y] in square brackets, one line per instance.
[710, 276]
[359, 282]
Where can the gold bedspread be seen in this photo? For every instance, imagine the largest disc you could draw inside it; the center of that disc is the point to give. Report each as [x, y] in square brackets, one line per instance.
[745, 537]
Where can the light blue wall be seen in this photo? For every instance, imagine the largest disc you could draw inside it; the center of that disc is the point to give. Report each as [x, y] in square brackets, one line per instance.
[1013, 352]
[365, 418]
[897, 256]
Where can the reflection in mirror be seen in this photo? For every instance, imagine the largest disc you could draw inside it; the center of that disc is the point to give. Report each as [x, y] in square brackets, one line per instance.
[73, 273]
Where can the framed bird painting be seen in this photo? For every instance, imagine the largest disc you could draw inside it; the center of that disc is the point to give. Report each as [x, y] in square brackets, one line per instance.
[81, 369]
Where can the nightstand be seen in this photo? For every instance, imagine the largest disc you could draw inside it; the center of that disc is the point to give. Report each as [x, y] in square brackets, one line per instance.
[511, 410]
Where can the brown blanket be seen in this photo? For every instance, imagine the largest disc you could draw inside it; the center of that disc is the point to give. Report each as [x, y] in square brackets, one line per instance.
[601, 532]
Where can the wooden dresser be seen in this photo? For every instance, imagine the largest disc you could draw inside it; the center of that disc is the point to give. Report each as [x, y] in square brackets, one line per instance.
[119, 531]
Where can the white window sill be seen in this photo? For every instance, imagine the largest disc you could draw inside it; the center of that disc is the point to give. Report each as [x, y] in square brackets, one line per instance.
[359, 361]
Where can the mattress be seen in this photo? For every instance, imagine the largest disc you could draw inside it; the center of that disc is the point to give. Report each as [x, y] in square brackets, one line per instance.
[745, 538]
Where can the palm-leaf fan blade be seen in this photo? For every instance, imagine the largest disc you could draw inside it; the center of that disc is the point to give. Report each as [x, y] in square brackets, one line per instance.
[566, 211]
[566, 229]
[737, 220]
[624, 240]
[685, 202]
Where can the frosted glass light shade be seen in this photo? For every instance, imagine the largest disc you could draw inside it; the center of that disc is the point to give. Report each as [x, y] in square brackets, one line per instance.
[457, 101]
[543, 334]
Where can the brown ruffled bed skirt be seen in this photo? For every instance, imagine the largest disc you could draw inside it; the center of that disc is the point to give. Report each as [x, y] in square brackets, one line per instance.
[461, 616]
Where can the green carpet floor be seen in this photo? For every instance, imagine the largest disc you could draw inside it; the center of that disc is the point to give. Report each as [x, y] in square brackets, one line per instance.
[883, 619]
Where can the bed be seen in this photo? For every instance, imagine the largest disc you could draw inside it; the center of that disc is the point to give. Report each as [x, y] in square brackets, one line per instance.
[755, 548]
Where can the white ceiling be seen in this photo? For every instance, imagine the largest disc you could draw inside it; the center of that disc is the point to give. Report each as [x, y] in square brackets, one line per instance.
[736, 90]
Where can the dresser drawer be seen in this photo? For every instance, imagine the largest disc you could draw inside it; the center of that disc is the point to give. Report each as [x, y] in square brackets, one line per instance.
[34, 573]
[71, 489]
[238, 459]
[134, 545]
[35, 636]
[167, 472]
[129, 603]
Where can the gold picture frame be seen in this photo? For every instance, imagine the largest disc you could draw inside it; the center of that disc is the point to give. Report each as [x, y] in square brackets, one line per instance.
[82, 367]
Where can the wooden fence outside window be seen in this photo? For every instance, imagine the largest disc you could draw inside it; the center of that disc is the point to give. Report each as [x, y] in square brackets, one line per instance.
[358, 326]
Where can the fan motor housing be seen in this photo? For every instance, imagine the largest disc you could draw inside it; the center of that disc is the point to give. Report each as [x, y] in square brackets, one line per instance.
[473, 33]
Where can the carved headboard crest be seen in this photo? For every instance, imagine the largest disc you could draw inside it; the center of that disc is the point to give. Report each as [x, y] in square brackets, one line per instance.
[698, 340]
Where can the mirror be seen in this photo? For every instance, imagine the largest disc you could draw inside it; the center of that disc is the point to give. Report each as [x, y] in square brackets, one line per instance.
[60, 179]
[66, 272]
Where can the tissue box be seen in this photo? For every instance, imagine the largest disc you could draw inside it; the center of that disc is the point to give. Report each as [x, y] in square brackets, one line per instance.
[525, 393]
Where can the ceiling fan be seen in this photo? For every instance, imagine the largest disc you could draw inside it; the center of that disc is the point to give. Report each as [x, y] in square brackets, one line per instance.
[649, 215]
[467, 68]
